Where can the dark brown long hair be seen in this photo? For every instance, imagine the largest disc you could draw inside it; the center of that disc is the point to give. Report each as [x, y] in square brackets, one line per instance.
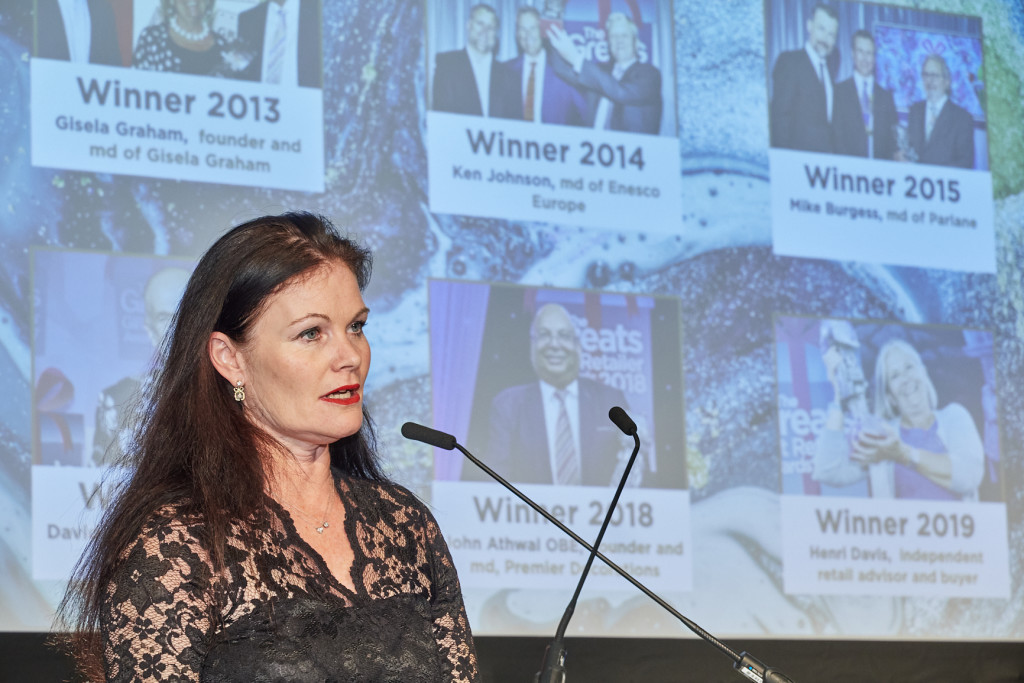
[192, 446]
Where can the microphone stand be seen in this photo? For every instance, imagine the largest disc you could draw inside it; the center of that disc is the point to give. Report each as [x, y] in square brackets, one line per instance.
[748, 665]
[553, 670]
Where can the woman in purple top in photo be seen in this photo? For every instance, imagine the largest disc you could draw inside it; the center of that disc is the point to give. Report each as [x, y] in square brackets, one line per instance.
[913, 449]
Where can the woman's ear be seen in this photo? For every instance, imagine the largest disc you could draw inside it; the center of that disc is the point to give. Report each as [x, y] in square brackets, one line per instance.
[226, 357]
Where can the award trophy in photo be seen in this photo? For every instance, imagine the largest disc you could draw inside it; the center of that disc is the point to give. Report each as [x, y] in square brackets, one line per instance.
[907, 152]
[552, 14]
[840, 350]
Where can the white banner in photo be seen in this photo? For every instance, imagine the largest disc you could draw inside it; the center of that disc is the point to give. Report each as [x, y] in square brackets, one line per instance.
[67, 504]
[852, 209]
[863, 546]
[498, 541]
[88, 117]
[500, 168]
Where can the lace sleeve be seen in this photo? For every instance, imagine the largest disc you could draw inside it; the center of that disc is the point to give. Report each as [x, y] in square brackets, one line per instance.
[451, 625]
[156, 616]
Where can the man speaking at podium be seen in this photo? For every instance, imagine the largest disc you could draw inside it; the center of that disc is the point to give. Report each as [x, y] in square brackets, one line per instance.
[554, 430]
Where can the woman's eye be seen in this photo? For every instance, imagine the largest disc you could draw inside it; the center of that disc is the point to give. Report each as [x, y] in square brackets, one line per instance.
[311, 334]
[358, 326]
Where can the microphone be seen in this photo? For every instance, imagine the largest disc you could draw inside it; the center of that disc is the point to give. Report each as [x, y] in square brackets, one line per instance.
[553, 670]
[623, 421]
[748, 665]
[432, 437]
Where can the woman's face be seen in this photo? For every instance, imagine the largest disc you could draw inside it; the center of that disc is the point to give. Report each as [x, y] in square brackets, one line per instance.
[906, 380]
[191, 11]
[306, 360]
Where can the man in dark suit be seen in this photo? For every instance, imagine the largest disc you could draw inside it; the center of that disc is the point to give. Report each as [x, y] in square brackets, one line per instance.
[91, 38]
[801, 107]
[624, 94]
[471, 81]
[546, 98]
[864, 119]
[555, 430]
[940, 131]
[284, 38]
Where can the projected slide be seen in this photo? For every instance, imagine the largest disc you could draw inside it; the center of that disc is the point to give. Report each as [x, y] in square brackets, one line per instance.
[786, 240]
[890, 444]
[557, 126]
[98, 323]
[215, 104]
[879, 145]
[530, 375]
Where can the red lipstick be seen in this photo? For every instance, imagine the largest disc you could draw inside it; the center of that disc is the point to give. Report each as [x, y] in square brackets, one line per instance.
[352, 398]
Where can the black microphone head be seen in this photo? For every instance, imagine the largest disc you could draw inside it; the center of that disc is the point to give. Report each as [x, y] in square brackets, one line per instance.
[621, 420]
[432, 437]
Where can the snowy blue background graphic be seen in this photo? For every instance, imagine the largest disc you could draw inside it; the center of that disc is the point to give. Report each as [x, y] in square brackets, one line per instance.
[719, 265]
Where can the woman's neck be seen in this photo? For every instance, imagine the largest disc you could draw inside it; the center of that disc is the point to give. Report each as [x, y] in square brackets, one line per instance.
[302, 479]
[190, 24]
[918, 419]
[191, 35]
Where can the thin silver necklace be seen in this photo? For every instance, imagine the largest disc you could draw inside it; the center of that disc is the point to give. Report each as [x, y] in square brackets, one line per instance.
[310, 518]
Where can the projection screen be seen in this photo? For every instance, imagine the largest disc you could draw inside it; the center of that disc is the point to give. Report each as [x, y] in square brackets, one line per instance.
[665, 211]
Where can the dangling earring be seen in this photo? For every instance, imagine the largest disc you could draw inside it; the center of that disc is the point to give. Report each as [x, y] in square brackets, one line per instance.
[239, 391]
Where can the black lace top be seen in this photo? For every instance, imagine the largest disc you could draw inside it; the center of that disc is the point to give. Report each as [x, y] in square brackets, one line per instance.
[281, 615]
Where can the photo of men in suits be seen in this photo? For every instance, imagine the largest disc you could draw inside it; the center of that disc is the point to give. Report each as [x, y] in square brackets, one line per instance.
[546, 98]
[940, 131]
[554, 430]
[624, 93]
[471, 81]
[802, 91]
[864, 116]
[81, 31]
[284, 39]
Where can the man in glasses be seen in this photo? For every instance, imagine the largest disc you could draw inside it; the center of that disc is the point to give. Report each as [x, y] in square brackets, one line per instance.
[940, 131]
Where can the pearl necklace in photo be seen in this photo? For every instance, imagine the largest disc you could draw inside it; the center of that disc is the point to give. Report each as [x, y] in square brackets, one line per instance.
[189, 35]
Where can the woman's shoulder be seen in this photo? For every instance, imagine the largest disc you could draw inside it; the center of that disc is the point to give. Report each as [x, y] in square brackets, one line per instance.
[169, 548]
[384, 490]
[376, 498]
[170, 530]
[393, 521]
[178, 516]
[154, 33]
[953, 411]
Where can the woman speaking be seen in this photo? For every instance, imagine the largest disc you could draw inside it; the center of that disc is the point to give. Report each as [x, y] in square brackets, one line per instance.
[256, 538]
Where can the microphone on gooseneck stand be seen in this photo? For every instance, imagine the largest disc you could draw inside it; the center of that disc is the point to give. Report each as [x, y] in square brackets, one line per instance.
[431, 437]
[553, 670]
[748, 665]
